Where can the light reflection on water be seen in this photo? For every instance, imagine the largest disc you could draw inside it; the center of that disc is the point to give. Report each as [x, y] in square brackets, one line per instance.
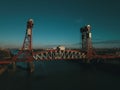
[62, 75]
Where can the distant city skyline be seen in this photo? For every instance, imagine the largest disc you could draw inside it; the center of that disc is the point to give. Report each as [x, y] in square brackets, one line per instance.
[58, 22]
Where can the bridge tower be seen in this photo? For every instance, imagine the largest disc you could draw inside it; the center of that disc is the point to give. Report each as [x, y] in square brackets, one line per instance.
[26, 52]
[27, 44]
[86, 40]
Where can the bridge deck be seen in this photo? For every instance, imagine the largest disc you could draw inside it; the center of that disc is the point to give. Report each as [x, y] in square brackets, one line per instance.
[10, 61]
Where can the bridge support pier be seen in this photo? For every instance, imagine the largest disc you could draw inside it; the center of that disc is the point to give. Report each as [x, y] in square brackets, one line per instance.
[31, 67]
[14, 66]
[87, 61]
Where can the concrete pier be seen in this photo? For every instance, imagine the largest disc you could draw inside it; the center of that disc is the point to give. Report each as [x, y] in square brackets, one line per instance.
[30, 67]
[14, 66]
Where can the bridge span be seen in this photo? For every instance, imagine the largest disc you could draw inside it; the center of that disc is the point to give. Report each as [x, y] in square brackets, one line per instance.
[59, 55]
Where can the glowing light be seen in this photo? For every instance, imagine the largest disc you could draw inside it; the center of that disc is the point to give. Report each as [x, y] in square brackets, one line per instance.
[31, 20]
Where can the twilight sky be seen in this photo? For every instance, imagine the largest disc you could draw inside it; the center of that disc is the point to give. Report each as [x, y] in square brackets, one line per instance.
[58, 22]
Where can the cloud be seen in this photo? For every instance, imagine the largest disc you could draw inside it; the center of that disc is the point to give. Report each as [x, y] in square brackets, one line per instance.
[107, 42]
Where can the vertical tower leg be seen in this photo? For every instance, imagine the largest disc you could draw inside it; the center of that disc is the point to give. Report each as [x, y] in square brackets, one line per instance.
[14, 66]
[86, 41]
[26, 51]
[30, 67]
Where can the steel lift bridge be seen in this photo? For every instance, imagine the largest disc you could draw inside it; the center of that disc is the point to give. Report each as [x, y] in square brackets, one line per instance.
[26, 54]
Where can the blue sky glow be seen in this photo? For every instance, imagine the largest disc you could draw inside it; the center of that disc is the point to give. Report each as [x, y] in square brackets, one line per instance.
[58, 22]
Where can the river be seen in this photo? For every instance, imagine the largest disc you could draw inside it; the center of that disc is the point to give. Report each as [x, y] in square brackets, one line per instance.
[62, 75]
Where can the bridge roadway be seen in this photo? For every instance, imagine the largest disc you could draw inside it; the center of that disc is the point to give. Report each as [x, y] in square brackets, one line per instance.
[59, 55]
[49, 55]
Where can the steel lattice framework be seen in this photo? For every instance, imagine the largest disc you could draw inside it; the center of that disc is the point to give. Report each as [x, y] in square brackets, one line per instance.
[26, 50]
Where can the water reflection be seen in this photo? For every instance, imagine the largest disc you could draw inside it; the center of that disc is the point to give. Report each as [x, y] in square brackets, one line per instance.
[62, 75]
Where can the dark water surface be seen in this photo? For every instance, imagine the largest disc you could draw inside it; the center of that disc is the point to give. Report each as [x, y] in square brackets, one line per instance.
[62, 75]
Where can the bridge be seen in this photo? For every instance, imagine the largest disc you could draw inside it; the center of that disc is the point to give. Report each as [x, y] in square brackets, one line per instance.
[59, 55]
[26, 54]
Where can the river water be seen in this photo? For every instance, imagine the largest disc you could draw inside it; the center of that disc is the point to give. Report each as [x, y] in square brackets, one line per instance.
[62, 75]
